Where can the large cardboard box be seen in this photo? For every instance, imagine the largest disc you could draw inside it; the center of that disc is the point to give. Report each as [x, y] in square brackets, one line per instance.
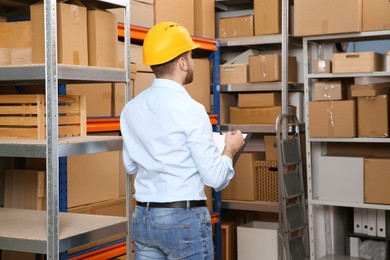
[98, 97]
[93, 178]
[256, 115]
[271, 149]
[332, 118]
[240, 26]
[200, 88]
[265, 68]
[233, 74]
[340, 178]
[141, 13]
[204, 15]
[357, 62]
[25, 189]
[243, 186]
[267, 17]
[72, 36]
[142, 81]
[102, 39]
[181, 12]
[227, 100]
[328, 90]
[376, 180]
[15, 34]
[373, 116]
[229, 240]
[376, 15]
[259, 99]
[257, 240]
[317, 17]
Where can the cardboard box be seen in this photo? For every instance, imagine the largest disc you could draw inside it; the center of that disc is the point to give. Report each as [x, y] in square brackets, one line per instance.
[25, 189]
[376, 15]
[267, 180]
[233, 74]
[5, 56]
[376, 180]
[72, 36]
[387, 60]
[181, 12]
[332, 118]
[271, 149]
[243, 185]
[369, 90]
[113, 207]
[373, 116]
[265, 68]
[142, 82]
[267, 17]
[230, 27]
[318, 17]
[226, 101]
[15, 34]
[21, 56]
[328, 90]
[136, 56]
[259, 99]
[257, 240]
[340, 178]
[98, 97]
[357, 62]
[322, 66]
[204, 15]
[93, 178]
[200, 88]
[257, 115]
[102, 38]
[141, 13]
[229, 238]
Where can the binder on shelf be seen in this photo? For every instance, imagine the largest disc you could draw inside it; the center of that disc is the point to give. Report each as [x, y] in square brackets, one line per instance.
[354, 245]
[372, 222]
[365, 221]
[381, 223]
[357, 220]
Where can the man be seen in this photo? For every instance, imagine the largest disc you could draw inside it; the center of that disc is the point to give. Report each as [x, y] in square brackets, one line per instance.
[168, 142]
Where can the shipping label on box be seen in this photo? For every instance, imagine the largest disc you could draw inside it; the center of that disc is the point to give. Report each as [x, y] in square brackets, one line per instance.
[332, 118]
[357, 62]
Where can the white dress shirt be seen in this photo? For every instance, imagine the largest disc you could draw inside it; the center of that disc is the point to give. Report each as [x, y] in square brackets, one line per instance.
[168, 142]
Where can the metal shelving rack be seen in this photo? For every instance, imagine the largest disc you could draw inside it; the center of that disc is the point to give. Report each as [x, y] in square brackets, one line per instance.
[281, 42]
[51, 232]
[320, 211]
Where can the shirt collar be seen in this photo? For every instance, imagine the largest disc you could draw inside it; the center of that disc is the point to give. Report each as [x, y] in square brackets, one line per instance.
[167, 83]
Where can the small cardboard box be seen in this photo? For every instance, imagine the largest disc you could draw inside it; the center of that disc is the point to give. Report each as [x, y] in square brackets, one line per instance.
[369, 90]
[72, 34]
[376, 15]
[243, 186]
[357, 62]
[256, 115]
[15, 34]
[240, 26]
[373, 116]
[259, 99]
[332, 118]
[271, 151]
[318, 17]
[181, 12]
[328, 90]
[340, 178]
[233, 74]
[376, 180]
[265, 68]
[267, 16]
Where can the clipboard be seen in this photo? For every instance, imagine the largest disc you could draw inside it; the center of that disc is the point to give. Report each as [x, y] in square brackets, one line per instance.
[219, 141]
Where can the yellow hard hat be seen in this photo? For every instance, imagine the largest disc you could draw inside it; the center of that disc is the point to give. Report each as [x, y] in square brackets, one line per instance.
[165, 41]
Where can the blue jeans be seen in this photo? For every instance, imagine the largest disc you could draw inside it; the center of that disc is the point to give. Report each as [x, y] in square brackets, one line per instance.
[172, 233]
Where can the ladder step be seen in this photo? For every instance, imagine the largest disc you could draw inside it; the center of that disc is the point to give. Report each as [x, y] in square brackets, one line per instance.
[297, 249]
[292, 184]
[290, 151]
[294, 217]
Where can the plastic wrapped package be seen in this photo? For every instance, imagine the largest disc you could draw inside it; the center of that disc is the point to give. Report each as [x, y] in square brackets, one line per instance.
[373, 250]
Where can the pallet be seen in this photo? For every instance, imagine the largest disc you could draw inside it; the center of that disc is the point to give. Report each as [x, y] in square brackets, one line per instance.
[23, 116]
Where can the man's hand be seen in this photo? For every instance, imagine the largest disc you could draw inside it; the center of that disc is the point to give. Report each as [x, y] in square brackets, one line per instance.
[233, 143]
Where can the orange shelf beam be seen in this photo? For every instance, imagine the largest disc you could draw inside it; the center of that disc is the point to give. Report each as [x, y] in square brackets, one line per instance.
[139, 33]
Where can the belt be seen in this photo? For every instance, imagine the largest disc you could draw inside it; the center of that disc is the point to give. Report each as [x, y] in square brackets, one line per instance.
[176, 204]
